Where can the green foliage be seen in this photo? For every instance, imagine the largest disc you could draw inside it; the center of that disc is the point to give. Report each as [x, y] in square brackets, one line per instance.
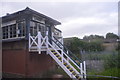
[107, 72]
[112, 61]
[111, 36]
[91, 37]
[95, 46]
[95, 56]
[76, 45]
[118, 47]
[111, 72]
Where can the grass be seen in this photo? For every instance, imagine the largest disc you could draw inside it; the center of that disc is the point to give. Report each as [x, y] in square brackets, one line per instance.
[114, 72]
[111, 72]
[58, 70]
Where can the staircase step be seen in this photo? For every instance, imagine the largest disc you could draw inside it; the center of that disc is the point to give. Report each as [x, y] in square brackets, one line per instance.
[73, 71]
[57, 55]
[70, 69]
[64, 63]
[75, 75]
[78, 77]
[60, 60]
[67, 66]
[54, 52]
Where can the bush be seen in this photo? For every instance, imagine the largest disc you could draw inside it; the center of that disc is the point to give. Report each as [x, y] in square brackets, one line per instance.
[112, 61]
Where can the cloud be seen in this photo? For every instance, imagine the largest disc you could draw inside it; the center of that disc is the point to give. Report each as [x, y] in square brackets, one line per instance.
[60, 0]
[90, 25]
[77, 18]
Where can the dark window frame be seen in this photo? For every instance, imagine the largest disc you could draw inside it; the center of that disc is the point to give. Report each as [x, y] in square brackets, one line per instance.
[11, 31]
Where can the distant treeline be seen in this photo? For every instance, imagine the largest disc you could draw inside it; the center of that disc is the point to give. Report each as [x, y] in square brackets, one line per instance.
[92, 43]
[108, 36]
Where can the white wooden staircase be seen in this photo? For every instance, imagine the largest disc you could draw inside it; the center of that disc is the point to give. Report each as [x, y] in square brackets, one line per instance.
[58, 52]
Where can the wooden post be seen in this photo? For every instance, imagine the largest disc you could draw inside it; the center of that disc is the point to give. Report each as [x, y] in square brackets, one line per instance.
[84, 69]
[29, 42]
[81, 70]
[27, 21]
[62, 42]
[67, 58]
[47, 41]
[53, 39]
[62, 56]
[39, 42]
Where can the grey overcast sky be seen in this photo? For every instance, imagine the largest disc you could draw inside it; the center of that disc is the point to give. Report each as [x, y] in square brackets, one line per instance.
[78, 18]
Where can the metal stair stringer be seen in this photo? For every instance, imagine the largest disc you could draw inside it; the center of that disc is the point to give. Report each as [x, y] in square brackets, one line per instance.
[63, 59]
[75, 73]
[59, 63]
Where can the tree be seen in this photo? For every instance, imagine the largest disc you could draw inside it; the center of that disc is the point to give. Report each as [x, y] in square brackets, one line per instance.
[111, 36]
[76, 45]
[95, 46]
[93, 38]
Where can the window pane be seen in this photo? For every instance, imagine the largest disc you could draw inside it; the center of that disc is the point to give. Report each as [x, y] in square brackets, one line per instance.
[21, 28]
[14, 30]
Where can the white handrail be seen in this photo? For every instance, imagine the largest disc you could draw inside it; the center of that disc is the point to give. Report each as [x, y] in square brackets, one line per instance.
[72, 61]
[69, 58]
[64, 57]
[29, 42]
[65, 60]
[84, 68]
[59, 62]
[39, 42]
[55, 49]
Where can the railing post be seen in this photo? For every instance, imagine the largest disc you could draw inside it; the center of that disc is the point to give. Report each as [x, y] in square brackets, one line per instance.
[53, 39]
[29, 42]
[84, 69]
[62, 42]
[39, 42]
[67, 58]
[47, 41]
[62, 56]
[81, 70]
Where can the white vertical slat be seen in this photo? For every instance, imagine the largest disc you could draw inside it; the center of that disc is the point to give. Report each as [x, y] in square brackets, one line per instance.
[84, 69]
[81, 70]
[67, 57]
[29, 42]
[54, 40]
[59, 63]
[47, 41]
[62, 56]
[39, 42]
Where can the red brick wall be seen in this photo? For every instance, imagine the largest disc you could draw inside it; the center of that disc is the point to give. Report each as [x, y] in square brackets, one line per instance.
[14, 61]
[39, 63]
[17, 60]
